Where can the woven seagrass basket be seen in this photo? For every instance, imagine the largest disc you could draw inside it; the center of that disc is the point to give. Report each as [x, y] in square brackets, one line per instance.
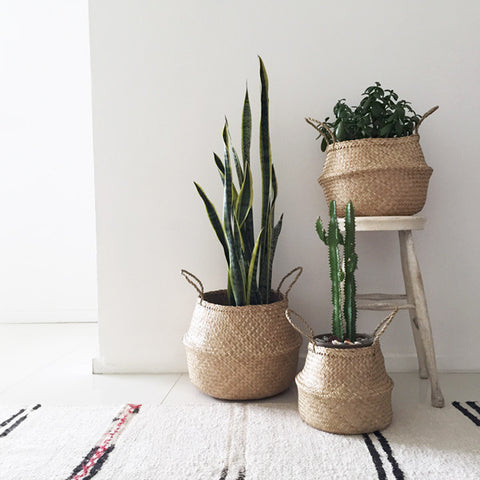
[381, 176]
[241, 353]
[346, 390]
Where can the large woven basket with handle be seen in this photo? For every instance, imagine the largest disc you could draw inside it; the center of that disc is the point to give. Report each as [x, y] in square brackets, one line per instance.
[345, 390]
[241, 353]
[381, 176]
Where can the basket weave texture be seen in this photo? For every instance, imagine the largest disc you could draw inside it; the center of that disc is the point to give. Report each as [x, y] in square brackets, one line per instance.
[381, 176]
[345, 391]
[241, 353]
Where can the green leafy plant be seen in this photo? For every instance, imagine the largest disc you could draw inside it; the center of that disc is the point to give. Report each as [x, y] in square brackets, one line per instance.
[342, 273]
[249, 259]
[379, 114]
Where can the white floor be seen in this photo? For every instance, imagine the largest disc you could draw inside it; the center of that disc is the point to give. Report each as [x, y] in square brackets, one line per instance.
[51, 363]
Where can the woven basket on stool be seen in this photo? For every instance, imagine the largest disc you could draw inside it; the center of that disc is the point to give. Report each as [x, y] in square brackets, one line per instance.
[241, 353]
[381, 176]
[346, 390]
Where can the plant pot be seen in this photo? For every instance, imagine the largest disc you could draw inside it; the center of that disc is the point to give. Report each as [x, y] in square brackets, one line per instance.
[346, 390]
[381, 176]
[241, 353]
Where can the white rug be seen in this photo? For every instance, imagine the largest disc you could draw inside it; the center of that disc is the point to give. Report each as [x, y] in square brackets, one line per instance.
[232, 441]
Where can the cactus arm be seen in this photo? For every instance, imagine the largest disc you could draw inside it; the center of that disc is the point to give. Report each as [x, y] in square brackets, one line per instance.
[321, 231]
[350, 308]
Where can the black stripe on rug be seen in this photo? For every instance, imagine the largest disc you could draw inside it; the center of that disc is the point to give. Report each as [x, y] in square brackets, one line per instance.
[8, 420]
[388, 450]
[241, 474]
[18, 422]
[377, 461]
[224, 474]
[474, 405]
[94, 460]
[468, 414]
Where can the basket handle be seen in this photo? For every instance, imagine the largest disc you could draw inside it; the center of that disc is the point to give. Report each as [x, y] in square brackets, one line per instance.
[195, 282]
[310, 334]
[317, 125]
[296, 269]
[433, 109]
[382, 326]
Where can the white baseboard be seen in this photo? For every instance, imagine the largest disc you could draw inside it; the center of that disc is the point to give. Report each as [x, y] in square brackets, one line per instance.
[99, 367]
[57, 316]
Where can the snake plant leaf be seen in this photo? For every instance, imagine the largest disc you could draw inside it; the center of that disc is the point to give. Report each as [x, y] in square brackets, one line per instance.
[274, 185]
[239, 253]
[248, 234]
[214, 220]
[221, 171]
[266, 170]
[237, 236]
[238, 167]
[231, 298]
[275, 234]
[245, 198]
[246, 129]
[265, 151]
[252, 269]
[220, 166]
[265, 274]
[234, 260]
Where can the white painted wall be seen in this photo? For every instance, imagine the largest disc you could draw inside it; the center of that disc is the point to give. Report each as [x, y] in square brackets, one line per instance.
[47, 235]
[164, 75]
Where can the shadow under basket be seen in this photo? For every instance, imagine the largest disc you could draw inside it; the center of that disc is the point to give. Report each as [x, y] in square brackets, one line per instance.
[241, 353]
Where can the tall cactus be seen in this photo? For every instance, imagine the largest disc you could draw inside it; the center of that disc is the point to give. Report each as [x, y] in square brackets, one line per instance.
[350, 265]
[332, 240]
[244, 253]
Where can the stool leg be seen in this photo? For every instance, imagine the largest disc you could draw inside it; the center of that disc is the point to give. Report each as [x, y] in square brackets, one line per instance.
[421, 355]
[415, 284]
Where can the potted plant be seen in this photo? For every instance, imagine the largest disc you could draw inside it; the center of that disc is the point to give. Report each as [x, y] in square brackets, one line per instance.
[344, 387]
[374, 156]
[239, 344]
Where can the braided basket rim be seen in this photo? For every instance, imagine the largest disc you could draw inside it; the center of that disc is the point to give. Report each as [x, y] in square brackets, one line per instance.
[281, 299]
[359, 142]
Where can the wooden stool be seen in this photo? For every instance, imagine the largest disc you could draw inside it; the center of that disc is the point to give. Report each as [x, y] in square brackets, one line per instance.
[413, 300]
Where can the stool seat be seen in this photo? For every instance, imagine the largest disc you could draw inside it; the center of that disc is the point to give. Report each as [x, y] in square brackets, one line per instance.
[413, 299]
[378, 224]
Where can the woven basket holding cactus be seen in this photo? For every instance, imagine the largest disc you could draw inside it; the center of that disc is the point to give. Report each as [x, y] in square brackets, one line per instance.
[344, 387]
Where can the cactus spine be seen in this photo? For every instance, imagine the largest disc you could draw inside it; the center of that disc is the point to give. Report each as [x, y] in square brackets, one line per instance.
[338, 275]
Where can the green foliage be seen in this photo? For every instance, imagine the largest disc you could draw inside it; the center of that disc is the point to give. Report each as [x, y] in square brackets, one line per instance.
[249, 260]
[379, 114]
[341, 277]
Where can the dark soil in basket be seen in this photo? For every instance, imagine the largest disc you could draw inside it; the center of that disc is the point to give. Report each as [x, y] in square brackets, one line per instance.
[331, 341]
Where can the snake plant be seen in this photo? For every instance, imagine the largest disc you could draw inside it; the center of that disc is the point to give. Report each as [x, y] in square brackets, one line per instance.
[249, 258]
[342, 276]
